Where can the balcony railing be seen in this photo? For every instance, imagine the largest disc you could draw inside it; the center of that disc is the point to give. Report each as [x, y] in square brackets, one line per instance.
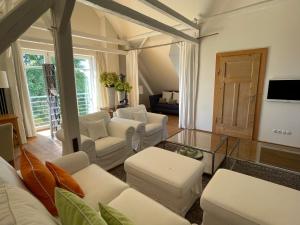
[40, 108]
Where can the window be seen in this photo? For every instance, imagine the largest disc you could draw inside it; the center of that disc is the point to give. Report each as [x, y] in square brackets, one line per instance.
[84, 77]
[37, 89]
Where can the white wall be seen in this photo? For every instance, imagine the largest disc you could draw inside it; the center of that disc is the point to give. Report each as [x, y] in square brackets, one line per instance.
[274, 25]
[157, 66]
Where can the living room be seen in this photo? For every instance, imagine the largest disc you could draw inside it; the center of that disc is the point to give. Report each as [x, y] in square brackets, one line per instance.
[189, 109]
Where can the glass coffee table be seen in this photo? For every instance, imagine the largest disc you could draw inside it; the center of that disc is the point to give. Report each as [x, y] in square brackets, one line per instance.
[207, 147]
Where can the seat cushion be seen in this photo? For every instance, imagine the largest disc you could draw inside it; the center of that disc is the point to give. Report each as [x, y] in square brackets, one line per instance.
[108, 144]
[98, 185]
[167, 170]
[152, 128]
[19, 207]
[236, 198]
[142, 210]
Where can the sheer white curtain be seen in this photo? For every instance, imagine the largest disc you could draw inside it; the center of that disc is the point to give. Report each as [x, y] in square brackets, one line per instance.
[23, 91]
[101, 66]
[188, 84]
[132, 76]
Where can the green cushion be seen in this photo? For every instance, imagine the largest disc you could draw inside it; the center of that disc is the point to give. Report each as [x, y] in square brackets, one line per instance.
[113, 216]
[73, 210]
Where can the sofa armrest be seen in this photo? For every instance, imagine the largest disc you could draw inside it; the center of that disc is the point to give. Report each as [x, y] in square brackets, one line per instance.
[87, 145]
[73, 162]
[120, 129]
[159, 118]
[60, 134]
[139, 127]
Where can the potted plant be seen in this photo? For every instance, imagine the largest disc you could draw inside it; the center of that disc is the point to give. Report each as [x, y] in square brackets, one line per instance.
[109, 79]
[122, 87]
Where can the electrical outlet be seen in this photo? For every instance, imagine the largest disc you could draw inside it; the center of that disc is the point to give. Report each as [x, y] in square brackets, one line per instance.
[282, 131]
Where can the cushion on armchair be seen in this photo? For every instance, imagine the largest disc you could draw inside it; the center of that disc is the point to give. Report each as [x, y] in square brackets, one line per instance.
[96, 129]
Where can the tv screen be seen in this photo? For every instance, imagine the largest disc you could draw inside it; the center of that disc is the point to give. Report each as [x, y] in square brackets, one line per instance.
[284, 90]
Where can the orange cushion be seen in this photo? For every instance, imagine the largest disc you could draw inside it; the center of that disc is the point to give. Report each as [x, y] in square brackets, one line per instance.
[38, 179]
[64, 179]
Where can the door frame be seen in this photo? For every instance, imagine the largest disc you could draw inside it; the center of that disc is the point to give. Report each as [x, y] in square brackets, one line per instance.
[261, 79]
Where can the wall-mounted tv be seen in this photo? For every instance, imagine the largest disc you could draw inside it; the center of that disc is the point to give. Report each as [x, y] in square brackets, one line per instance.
[284, 90]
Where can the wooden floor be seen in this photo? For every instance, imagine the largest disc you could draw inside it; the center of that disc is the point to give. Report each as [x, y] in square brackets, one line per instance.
[47, 149]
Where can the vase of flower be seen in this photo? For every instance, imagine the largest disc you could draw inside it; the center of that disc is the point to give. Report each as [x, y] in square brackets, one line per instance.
[121, 95]
[109, 80]
[122, 87]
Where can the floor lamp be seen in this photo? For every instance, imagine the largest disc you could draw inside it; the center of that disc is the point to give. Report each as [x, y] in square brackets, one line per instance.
[3, 84]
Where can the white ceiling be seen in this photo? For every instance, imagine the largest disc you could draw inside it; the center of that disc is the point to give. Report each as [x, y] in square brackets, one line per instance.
[188, 8]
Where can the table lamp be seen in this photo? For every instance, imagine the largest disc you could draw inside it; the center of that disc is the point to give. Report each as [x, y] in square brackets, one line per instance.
[3, 84]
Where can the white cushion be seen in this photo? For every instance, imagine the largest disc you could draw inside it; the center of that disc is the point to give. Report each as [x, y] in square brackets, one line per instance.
[98, 185]
[167, 95]
[92, 117]
[152, 128]
[169, 171]
[97, 129]
[8, 175]
[236, 198]
[142, 210]
[140, 116]
[19, 207]
[176, 97]
[109, 144]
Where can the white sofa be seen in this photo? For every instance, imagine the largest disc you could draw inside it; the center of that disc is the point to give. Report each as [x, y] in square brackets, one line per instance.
[231, 198]
[98, 186]
[110, 151]
[146, 134]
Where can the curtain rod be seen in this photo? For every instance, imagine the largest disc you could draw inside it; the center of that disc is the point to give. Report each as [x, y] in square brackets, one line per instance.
[171, 43]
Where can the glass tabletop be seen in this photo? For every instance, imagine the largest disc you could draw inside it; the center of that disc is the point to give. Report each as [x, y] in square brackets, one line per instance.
[204, 141]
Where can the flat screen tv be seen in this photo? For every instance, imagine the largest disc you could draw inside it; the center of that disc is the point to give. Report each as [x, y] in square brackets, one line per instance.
[284, 90]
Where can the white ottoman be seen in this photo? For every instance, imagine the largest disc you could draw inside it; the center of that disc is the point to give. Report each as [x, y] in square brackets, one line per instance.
[171, 179]
[237, 199]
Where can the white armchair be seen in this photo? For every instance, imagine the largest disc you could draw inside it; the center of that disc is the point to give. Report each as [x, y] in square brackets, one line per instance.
[147, 133]
[109, 151]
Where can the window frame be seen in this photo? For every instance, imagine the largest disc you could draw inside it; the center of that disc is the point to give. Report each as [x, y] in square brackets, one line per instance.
[92, 79]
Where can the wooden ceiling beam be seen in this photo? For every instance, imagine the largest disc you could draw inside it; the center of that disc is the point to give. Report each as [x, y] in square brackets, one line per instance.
[19, 19]
[138, 18]
[167, 11]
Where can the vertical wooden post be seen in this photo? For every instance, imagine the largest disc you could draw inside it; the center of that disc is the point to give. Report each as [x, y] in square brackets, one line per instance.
[61, 14]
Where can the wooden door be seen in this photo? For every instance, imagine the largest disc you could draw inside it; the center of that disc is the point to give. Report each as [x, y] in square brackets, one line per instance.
[238, 89]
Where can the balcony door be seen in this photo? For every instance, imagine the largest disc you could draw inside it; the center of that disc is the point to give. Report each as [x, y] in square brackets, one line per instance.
[85, 81]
